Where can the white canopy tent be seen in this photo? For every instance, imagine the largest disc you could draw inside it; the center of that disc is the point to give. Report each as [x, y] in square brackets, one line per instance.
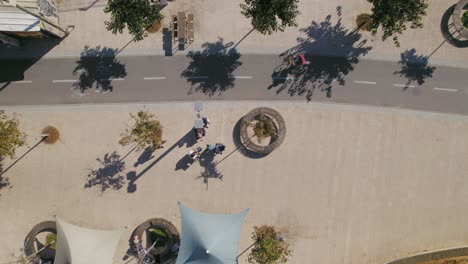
[78, 245]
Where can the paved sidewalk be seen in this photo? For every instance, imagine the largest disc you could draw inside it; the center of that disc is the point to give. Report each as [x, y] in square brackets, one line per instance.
[348, 185]
[222, 18]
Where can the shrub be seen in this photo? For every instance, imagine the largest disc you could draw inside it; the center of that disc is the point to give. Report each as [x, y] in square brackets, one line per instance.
[52, 134]
[465, 19]
[51, 239]
[158, 235]
[269, 247]
[10, 136]
[363, 21]
[264, 127]
[146, 132]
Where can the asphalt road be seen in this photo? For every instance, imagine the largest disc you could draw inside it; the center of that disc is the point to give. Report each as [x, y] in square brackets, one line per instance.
[157, 78]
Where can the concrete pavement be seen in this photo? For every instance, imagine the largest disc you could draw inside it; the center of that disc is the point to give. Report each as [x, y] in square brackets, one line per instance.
[158, 78]
[348, 185]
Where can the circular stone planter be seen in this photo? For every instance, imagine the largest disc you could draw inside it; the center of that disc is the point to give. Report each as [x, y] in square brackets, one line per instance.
[32, 243]
[143, 232]
[250, 142]
[458, 11]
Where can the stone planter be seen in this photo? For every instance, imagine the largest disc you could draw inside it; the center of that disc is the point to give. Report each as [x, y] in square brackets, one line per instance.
[250, 142]
[143, 232]
[32, 244]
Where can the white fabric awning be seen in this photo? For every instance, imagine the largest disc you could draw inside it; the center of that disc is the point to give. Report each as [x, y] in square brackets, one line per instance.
[78, 245]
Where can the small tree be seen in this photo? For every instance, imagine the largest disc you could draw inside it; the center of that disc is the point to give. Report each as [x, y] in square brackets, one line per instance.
[393, 16]
[136, 15]
[146, 132]
[10, 136]
[269, 16]
[269, 247]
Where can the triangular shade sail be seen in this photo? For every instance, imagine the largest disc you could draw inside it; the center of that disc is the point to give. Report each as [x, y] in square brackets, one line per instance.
[78, 245]
[209, 238]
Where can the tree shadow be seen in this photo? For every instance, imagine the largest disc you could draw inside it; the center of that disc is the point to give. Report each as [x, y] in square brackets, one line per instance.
[188, 140]
[211, 70]
[209, 168]
[343, 49]
[4, 182]
[414, 67]
[97, 67]
[108, 175]
[16, 60]
[145, 156]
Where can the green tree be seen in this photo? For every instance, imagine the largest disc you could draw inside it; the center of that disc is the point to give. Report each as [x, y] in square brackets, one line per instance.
[136, 15]
[146, 132]
[269, 16]
[10, 136]
[393, 16]
[269, 246]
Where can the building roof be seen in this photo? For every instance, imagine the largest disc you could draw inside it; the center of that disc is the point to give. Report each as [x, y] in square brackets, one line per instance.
[17, 21]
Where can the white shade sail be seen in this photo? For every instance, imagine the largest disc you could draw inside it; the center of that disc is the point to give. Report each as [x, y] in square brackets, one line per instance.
[78, 245]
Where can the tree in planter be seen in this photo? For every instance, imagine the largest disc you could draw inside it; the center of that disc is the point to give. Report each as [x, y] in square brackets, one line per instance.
[264, 128]
[269, 247]
[10, 136]
[393, 16]
[269, 16]
[146, 132]
[136, 15]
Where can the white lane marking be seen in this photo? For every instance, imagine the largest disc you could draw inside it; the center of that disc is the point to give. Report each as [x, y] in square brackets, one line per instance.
[283, 78]
[154, 78]
[116, 79]
[365, 82]
[197, 77]
[445, 89]
[403, 85]
[64, 81]
[24, 81]
[243, 77]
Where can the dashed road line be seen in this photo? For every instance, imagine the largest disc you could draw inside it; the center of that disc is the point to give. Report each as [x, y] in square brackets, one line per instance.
[154, 78]
[23, 81]
[116, 79]
[64, 81]
[365, 82]
[283, 78]
[445, 89]
[403, 85]
[243, 77]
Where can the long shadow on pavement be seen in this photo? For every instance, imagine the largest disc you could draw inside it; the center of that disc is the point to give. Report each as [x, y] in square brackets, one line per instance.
[211, 70]
[97, 67]
[16, 60]
[343, 49]
[209, 168]
[109, 173]
[414, 68]
[188, 140]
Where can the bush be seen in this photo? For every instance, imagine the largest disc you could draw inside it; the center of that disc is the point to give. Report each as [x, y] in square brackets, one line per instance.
[52, 134]
[269, 247]
[158, 235]
[363, 21]
[464, 19]
[264, 127]
[146, 132]
[10, 136]
[51, 239]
